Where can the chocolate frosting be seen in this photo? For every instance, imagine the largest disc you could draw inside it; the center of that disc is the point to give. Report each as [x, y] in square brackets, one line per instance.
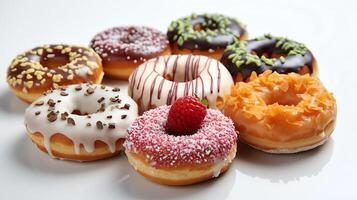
[259, 55]
[205, 32]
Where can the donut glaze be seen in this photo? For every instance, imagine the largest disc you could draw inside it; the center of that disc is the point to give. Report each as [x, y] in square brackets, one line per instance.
[212, 147]
[215, 31]
[124, 48]
[282, 113]
[162, 80]
[51, 66]
[82, 113]
[268, 53]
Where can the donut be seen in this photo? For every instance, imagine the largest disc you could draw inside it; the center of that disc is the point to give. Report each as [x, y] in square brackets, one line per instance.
[278, 54]
[162, 80]
[81, 122]
[50, 66]
[282, 113]
[180, 160]
[126, 47]
[205, 34]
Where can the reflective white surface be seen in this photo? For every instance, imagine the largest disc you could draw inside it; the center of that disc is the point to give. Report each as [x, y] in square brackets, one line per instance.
[329, 172]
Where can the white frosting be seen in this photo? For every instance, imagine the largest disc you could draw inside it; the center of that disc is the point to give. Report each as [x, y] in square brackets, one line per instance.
[218, 165]
[81, 133]
[191, 75]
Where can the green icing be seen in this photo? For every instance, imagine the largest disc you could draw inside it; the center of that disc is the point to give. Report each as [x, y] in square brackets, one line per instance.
[282, 59]
[293, 48]
[239, 54]
[215, 24]
[268, 61]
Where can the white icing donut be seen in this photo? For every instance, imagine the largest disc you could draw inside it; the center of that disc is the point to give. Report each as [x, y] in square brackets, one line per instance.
[162, 80]
[102, 113]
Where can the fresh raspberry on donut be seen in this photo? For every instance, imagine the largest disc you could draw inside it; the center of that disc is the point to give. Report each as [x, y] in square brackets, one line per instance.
[185, 116]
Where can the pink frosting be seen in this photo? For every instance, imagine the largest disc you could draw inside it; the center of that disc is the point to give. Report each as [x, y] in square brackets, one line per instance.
[147, 136]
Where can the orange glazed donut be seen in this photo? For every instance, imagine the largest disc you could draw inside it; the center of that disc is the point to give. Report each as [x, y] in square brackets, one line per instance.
[50, 66]
[282, 113]
[126, 47]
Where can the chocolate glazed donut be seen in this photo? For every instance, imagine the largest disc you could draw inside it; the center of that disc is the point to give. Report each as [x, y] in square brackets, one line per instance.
[268, 53]
[206, 34]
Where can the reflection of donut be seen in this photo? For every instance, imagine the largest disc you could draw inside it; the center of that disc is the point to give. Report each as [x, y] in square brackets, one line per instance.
[162, 80]
[50, 66]
[282, 113]
[268, 53]
[124, 48]
[180, 160]
[81, 122]
[206, 34]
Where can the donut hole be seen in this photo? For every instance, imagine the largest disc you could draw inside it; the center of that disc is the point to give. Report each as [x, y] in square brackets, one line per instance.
[86, 106]
[198, 27]
[288, 98]
[180, 76]
[54, 61]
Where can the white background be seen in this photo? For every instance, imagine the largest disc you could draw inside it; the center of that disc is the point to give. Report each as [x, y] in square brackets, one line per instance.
[327, 28]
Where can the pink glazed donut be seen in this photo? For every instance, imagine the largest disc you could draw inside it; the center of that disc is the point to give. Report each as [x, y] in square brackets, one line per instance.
[162, 80]
[180, 160]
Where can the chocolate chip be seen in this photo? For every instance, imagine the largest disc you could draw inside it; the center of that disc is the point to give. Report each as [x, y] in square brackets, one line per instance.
[39, 103]
[90, 91]
[52, 116]
[78, 88]
[63, 89]
[102, 87]
[64, 94]
[51, 103]
[102, 107]
[64, 115]
[125, 107]
[59, 101]
[115, 99]
[89, 124]
[71, 121]
[123, 116]
[50, 109]
[37, 113]
[109, 117]
[99, 125]
[111, 126]
[88, 116]
[116, 89]
[101, 99]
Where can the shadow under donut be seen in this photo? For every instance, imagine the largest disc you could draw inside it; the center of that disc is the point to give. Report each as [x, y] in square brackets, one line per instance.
[27, 155]
[131, 185]
[10, 104]
[283, 167]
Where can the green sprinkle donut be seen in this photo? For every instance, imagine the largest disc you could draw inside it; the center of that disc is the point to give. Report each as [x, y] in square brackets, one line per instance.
[205, 32]
[267, 52]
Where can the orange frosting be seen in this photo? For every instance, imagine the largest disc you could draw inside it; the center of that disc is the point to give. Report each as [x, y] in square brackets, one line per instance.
[280, 107]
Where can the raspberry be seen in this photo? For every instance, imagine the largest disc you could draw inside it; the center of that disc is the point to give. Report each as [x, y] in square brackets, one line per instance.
[185, 116]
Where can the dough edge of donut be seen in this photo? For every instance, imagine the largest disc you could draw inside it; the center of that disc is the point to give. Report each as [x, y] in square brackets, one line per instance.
[296, 149]
[187, 176]
[62, 148]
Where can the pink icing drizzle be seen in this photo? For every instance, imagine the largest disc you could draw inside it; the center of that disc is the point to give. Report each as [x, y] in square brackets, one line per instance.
[212, 141]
